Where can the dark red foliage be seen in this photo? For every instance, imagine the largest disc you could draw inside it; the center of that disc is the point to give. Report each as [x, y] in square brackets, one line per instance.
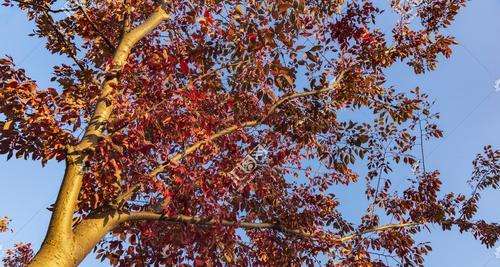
[213, 82]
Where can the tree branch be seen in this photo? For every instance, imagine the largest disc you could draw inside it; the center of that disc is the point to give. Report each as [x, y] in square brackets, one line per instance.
[233, 128]
[68, 44]
[104, 107]
[61, 221]
[45, 8]
[285, 99]
[115, 218]
[87, 17]
[120, 201]
[194, 147]
[380, 228]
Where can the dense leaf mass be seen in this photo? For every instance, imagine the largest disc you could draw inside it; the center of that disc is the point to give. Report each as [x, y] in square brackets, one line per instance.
[19, 257]
[216, 79]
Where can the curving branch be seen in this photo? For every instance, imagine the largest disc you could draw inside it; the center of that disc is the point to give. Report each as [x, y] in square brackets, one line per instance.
[109, 220]
[285, 99]
[254, 123]
[197, 145]
[380, 228]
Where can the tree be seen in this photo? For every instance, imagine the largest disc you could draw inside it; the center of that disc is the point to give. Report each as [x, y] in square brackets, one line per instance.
[185, 127]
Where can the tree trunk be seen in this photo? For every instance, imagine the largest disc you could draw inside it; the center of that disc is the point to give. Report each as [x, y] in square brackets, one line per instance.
[72, 248]
[55, 254]
[64, 245]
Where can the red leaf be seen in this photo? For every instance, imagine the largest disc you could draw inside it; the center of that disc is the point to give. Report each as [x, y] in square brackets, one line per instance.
[184, 67]
[199, 263]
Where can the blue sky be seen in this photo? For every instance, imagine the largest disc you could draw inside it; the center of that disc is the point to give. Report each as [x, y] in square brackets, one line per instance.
[462, 86]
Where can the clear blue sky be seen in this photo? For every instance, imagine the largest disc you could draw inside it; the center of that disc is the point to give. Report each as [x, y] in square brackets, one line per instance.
[462, 86]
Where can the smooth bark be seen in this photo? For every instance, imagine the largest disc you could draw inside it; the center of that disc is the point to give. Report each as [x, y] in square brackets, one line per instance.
[62, 245]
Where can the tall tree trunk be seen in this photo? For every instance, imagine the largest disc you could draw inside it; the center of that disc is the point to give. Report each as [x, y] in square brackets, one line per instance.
[63, 245]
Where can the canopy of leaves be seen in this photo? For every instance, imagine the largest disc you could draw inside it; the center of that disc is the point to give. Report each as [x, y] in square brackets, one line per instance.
[218, 78]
